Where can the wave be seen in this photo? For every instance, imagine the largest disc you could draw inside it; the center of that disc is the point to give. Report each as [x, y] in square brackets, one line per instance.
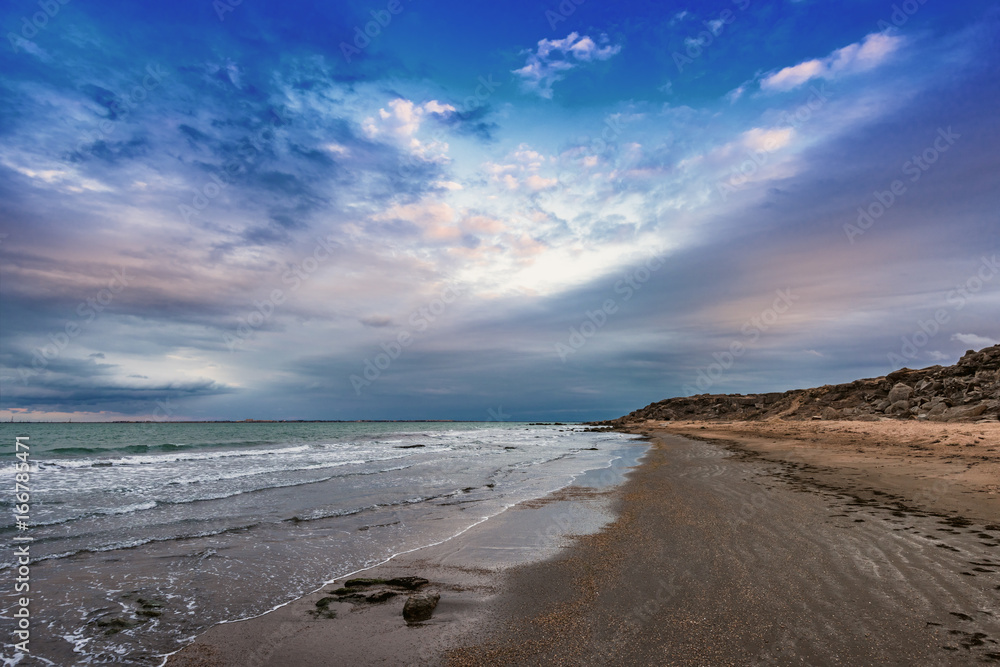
[141, 507]
[138, 542]
[151, 459]
[132, 544]
[358, 510]
[177, 453]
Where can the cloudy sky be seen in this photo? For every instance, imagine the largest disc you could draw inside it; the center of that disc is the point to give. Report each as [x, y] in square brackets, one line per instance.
[520, 210]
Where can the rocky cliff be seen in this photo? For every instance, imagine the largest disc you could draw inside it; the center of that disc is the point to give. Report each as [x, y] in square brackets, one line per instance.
[967, 391]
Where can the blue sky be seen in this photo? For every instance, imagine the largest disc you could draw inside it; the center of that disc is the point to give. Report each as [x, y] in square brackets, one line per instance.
[487, 210]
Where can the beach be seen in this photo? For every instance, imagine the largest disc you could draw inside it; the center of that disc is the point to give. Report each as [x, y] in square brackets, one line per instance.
[731, 543]
[144, 536]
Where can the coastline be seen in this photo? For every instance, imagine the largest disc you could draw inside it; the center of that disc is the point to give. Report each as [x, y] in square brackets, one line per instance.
[468, 570]
[722, 556]
[731, 543]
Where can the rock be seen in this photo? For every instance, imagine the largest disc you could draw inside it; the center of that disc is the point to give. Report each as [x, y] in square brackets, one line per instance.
[357, 583]
[381, 596]
[898, 408]
[936, 407]
[420, 606]
[410, 583]
[322, 609]
[935, 391]
[830, 413]
[114, 624]
[963, 412]
[900, 392]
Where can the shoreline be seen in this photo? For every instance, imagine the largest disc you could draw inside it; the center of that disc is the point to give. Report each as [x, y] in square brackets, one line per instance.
[719, 557]
[466, 567]
[730, 543]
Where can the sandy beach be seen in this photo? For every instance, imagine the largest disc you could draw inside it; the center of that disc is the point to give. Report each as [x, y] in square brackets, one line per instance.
[732, 543]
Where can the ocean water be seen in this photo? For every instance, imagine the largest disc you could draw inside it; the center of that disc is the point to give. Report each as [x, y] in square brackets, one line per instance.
[171, 528]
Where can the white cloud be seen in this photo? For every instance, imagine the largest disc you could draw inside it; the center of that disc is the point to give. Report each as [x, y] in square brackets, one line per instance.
[736, 93]
[759, 139]
[336, 149]
[536, 182]
[554, 57]
[401, 121]
[520, 170]
[975, 341]
[872, 51]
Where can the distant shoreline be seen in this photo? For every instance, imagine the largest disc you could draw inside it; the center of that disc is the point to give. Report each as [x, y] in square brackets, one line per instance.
[302, 421]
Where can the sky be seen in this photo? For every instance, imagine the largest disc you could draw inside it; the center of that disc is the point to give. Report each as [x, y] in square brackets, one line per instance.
[393, 209]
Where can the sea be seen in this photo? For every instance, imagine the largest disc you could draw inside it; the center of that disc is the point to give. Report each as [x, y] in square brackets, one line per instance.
[143, 535]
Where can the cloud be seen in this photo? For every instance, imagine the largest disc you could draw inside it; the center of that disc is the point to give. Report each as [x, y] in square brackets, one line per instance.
[736, 93]
[871, 52]
[519, 171]
[400, 123]
[402, 119]
[471, 120]
[759, 139]
[376, 321]
[554, 57]
[975, 341]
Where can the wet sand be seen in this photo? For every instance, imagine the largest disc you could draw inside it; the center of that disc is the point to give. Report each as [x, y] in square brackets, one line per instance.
[733, 544]
[468, 571]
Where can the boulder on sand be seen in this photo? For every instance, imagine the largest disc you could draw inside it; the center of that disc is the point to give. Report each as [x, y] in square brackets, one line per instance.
[420, 606]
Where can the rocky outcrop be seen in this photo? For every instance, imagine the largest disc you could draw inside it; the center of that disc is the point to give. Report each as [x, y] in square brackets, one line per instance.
[967, 391]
